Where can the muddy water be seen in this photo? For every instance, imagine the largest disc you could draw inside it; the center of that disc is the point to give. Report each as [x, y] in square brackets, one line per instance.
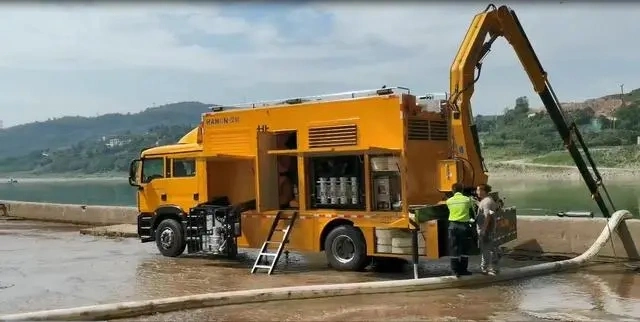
[47, 266]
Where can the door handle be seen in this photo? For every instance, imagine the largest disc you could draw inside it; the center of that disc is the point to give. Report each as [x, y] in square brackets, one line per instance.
[196, 196]
[163, 197]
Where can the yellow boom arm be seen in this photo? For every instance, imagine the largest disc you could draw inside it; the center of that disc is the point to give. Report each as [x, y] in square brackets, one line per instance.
[493, 23]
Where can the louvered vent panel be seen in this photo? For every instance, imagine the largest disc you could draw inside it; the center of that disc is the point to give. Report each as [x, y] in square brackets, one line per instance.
[438, 130]
[333, 136]
[419, 129]
[228, 142]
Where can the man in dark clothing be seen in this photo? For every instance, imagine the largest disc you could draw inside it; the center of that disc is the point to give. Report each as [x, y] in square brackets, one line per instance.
[460, 209]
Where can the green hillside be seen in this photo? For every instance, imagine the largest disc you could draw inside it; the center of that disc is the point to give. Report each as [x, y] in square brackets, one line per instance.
[521, 131]
[106, 144]
[64, 132]
[93, 156]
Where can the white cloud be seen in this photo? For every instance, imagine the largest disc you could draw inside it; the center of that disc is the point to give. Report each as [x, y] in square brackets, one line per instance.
[87, 37]
[89, 59]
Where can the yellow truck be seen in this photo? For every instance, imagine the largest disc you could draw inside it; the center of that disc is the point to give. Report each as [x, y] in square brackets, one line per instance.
[359, 175]
[342, 173]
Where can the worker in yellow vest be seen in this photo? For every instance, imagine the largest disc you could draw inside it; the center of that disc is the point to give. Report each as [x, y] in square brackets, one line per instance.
[460, 230]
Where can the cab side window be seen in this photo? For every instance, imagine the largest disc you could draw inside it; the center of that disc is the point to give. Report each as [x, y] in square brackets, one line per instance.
[152, 168]
[184, 168]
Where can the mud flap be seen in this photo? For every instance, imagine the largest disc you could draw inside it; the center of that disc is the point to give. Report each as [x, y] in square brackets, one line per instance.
[506, 229]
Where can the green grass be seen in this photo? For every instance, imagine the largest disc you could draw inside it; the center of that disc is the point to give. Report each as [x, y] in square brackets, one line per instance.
[492, 154]
[615, 157]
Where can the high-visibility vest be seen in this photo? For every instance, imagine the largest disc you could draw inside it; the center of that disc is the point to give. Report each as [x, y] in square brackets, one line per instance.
[459, 206]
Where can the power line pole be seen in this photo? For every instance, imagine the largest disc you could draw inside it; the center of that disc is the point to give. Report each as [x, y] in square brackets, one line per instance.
[621, 103]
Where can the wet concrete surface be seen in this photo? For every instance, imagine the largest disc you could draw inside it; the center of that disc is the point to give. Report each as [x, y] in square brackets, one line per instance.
[49, 266]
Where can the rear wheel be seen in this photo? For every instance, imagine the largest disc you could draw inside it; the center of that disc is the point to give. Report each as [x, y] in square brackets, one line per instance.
[169, 238]
[346, 249]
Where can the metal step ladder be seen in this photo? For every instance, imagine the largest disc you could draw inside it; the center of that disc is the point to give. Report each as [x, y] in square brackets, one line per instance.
[262, 261]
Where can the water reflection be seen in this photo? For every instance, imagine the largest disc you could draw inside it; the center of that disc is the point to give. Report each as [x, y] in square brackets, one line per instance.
[582, 295]
[194, 275]
[90, 192]
[620, 297]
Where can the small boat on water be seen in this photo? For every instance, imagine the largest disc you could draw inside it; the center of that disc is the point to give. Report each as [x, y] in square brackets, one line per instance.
[12, 180]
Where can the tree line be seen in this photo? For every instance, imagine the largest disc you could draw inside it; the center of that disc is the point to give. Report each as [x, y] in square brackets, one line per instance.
[519, 128]
[64, 132]
[95, 156]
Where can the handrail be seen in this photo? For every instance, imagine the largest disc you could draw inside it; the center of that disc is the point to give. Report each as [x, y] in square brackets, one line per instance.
[322, 97]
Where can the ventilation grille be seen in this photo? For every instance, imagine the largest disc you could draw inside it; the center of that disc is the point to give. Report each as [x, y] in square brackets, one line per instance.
[332, 136]
[420, 129]
[227, 142]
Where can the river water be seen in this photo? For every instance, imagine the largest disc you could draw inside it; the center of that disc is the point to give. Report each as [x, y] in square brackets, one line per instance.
[533, 197]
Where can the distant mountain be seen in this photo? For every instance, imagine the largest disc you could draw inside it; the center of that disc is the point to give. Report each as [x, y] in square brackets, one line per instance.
[66, 131]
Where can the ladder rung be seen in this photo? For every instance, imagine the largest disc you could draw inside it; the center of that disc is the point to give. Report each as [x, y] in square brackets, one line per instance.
[268, 254]
[262, 266]
[281, 229]
[273, 242]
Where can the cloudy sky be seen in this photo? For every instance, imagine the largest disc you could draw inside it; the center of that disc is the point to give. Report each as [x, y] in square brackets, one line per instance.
[88, 60]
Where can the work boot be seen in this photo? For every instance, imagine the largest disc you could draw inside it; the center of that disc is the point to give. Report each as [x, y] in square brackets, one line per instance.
[455, 266]
[464, 265]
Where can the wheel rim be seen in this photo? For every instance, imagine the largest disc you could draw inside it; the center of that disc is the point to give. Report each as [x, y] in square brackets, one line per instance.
[166, 238]
[343, 249]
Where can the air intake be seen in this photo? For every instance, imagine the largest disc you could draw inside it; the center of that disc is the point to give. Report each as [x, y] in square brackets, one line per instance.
[426, 130]
[333, 136]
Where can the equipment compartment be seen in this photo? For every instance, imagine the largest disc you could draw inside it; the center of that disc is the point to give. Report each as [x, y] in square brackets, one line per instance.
[337, 182]
[213, 229]
[386, 184]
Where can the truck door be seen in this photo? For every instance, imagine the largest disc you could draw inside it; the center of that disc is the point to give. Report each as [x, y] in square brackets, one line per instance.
[267, 176]
[183, 188]
[152, 184]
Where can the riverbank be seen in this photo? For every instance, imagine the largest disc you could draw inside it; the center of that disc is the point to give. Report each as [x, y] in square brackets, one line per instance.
[529, 171]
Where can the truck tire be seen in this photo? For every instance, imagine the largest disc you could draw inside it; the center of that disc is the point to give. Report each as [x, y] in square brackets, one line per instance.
[346, 249]
[170, 239]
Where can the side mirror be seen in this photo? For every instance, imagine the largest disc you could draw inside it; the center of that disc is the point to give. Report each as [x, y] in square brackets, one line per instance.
[133, 172]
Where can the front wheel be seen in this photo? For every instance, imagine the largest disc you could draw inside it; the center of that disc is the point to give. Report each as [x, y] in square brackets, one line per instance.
[346, 249]
[169, 238]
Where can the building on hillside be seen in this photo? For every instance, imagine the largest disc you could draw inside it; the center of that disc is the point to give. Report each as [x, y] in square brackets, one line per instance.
[113, 142]
[596, 124]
